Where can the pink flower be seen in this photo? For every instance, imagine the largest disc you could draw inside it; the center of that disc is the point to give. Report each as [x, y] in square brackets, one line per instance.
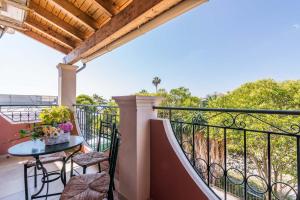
[66, 127]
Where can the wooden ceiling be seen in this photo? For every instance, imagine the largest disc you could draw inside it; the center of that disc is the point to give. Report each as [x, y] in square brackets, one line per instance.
[81, 28]
[65, 24]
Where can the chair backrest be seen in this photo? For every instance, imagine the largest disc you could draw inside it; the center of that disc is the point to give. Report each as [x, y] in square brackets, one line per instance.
[113, 163]
[105, 134]
[114, 134]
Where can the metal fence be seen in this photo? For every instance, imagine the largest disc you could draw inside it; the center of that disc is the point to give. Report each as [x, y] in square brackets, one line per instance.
[245, 154]
[23, 113]
[95, 123]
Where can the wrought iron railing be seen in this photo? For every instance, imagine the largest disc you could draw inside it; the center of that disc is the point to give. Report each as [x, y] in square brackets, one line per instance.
[89, 118]
[245, 154]
[23, 113]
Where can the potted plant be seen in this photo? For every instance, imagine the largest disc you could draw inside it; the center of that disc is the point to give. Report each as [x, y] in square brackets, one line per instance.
[55, 115]
[55, 126]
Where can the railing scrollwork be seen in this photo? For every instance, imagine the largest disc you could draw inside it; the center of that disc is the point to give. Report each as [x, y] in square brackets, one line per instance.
[241, 153]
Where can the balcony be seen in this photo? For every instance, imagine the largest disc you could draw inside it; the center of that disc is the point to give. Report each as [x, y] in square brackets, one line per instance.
[165, 152]
[197, 153]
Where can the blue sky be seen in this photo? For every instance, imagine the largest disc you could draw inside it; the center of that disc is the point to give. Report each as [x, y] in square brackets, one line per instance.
[213, 48]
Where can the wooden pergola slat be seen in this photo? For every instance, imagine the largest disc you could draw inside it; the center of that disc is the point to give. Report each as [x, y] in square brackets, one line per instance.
[46, 41]
[107, 6]
[76, 13]
[125, 18]
[69, 27]
[56, 21]
[49, 32]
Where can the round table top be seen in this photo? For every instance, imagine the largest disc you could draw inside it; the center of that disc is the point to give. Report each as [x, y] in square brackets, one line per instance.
[36, 148]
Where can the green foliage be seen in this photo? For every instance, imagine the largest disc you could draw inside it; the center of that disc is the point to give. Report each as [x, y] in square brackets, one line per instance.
[112, 102]
[95, 99]
[84, 99]
[144, 92]
[111, 113]
[23, 133]
[55, 115]
[262, 94]
[35, 133]
[209, 98]
[99, 100]
[180, 97]
[176, 97]
[96, 109]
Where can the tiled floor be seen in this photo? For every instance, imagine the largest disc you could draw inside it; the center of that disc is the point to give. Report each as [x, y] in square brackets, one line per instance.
[12, 182]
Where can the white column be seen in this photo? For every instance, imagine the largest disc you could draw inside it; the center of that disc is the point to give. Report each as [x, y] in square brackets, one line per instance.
[134, 154]
[66, 84]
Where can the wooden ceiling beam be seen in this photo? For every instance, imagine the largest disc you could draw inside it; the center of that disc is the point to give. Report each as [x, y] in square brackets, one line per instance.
[56, 21]
[107, 6]
[127, 19]
[46, 41]
[76, 13]
[49, 32]
[138, 13]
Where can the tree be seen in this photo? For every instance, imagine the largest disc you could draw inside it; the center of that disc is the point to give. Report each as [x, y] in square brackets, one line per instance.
[176, 97]
[84, 99]
[156, 81]
[99, 100]
[208, 98]
[263, 94]
[91, 113]
[143, 92]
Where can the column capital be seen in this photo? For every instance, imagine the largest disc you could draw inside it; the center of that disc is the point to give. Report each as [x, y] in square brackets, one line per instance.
[138, 101]
[66, 66]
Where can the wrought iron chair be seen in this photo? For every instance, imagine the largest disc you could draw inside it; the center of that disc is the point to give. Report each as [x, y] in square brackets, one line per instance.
[86, 160]
[94, 186]
[55, 157]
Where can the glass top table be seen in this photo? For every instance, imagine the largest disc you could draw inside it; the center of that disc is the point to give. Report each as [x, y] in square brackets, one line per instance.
[37, 148]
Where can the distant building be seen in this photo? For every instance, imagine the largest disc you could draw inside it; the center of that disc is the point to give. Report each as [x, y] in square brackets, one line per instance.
[12, 99]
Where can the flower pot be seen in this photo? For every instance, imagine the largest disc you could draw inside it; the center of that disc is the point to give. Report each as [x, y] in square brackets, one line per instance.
[60, 138]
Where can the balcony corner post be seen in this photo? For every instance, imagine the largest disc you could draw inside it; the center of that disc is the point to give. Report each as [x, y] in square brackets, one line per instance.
[66, 85]
[134, 156]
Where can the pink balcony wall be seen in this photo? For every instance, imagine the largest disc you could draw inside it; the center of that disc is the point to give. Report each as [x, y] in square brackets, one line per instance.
[169, 178]
[9, 134]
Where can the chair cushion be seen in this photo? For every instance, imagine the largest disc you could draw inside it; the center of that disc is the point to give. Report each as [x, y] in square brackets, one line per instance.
[49, 158]
[88, 159]
[87, 187]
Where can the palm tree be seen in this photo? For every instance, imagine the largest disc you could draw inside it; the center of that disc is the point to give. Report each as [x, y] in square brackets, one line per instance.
[156, 81]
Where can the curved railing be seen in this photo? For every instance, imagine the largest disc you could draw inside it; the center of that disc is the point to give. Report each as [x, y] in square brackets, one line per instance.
[89, 118]
[239, 153]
